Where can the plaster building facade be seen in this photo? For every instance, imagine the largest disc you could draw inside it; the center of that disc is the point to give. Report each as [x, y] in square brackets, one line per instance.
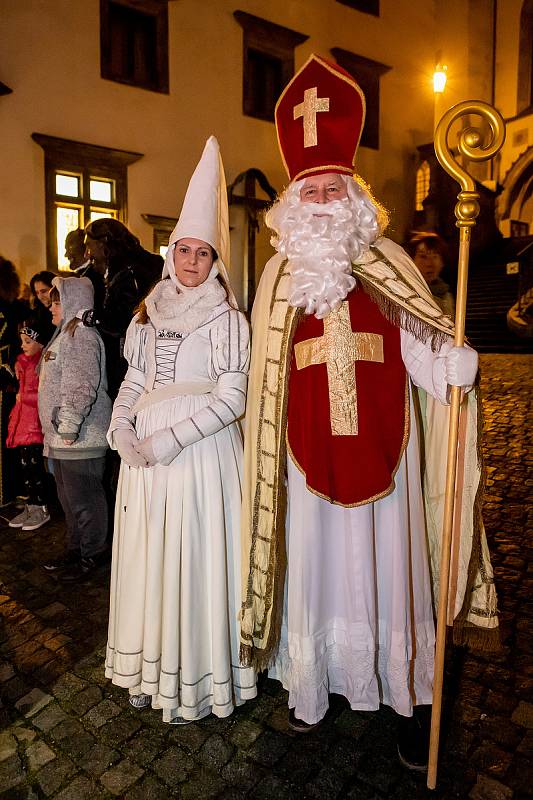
[117, 97]
[490, 43]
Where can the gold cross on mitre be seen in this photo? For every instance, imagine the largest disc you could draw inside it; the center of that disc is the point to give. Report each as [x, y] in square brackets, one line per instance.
[308, 110]
[339, 348]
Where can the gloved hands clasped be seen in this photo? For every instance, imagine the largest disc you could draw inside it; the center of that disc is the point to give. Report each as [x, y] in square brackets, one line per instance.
[126, 442]
[461, 367]
[161, 447]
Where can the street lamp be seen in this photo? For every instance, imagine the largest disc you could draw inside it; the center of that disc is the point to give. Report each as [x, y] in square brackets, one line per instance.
[439, 83]
[439, 78]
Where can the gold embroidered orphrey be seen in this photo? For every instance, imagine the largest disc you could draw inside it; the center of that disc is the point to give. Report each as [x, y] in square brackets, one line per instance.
[339, 348]
[310, 107]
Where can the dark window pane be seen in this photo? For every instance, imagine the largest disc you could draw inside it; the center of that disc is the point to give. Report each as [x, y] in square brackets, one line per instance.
[367, 6]
[265, 73]
[367, 73]
[268, 63]
[133, 45]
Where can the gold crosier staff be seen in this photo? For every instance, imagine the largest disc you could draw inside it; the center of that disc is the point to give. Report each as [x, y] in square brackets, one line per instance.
[466, 211]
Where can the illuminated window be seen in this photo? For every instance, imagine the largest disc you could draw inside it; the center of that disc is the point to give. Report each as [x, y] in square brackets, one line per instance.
[75, 213]
[96, 214]
[101, 190]
[72, 215]
[422, 185]
[83, 182]
[67, 219]
[68, 185]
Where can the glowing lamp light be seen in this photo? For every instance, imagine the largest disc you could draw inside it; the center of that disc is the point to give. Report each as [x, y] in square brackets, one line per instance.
[439, 79]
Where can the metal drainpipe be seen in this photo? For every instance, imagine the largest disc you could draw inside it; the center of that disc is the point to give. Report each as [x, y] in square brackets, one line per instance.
[493, 77]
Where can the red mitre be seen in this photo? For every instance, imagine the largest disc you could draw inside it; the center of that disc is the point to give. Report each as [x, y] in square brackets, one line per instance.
[319, 120]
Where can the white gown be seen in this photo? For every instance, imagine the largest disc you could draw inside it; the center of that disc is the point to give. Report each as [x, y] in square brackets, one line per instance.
[358, 611]
[175, 581]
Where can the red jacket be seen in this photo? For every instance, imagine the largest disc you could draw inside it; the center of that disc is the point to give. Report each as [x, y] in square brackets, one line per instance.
[24, 425]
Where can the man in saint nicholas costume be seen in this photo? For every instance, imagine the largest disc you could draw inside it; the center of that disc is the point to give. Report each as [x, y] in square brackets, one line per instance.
[340, 530]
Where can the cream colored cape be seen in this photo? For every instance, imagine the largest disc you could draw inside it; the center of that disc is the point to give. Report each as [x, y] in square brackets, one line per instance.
[393, 281]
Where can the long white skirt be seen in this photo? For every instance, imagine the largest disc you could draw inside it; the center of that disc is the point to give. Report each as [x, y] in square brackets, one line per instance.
[358, 613]
[175, 579]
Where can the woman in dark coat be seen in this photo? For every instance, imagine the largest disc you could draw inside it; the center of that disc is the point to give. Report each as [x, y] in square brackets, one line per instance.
[130, 272]
[40, 285]
[12, 314]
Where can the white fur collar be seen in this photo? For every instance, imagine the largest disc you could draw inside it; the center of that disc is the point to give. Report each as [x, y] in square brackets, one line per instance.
[183, 311]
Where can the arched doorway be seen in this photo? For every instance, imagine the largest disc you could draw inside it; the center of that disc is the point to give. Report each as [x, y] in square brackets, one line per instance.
[515, 204]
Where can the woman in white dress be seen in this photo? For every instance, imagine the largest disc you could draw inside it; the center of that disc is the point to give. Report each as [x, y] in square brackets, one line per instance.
[175, 584]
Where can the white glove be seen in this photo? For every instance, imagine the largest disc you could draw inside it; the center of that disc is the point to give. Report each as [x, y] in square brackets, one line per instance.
[125, 441]
[461, 367]
[161, 447]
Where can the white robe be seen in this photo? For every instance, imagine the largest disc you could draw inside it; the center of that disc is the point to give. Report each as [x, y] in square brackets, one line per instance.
[175, 591]
[358, 611]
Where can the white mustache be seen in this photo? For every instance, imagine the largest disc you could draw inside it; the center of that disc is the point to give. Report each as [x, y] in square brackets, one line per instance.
[332, 209]
[319, 210]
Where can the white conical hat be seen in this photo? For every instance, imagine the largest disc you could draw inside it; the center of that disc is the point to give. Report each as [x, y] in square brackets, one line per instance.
[204, 214]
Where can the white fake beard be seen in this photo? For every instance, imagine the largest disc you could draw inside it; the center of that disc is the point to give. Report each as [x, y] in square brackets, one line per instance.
[321, 241]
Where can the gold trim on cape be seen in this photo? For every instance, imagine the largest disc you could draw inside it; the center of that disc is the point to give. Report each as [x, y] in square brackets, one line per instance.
[264, 492]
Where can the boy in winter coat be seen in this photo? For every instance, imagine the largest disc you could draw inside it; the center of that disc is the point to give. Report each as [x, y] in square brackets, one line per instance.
[24, 429]
[75, 411]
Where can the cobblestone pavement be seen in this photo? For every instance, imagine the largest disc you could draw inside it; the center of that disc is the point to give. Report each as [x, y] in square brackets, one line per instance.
[66, 733]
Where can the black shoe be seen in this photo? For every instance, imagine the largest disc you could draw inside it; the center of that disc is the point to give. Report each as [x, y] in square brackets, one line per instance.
[103, 558]
[80, 571]
[84, 568]
[413, 739]
[68, 560]
[299, 725]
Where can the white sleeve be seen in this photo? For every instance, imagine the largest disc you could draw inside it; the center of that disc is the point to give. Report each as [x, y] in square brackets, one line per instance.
[230, 360]
[426, 368]
[133, 384]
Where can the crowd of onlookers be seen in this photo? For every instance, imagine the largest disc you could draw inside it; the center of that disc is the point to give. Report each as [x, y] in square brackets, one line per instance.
[61, 365]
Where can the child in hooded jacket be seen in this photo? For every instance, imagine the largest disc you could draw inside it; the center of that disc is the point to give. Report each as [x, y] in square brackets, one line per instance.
[24, 428]
[75, 411]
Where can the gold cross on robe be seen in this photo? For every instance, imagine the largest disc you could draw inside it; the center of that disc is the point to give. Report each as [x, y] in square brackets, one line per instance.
[339, 348]
[308, 110]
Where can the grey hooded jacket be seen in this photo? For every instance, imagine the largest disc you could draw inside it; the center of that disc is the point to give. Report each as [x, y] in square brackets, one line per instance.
[73, 401]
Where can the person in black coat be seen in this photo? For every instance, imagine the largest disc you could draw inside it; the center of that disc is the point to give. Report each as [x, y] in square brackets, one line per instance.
[40, 285]
[130, 272]
[12, 314]
[82, 266]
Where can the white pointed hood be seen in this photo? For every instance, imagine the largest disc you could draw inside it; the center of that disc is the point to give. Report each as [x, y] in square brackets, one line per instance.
[204, 215]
